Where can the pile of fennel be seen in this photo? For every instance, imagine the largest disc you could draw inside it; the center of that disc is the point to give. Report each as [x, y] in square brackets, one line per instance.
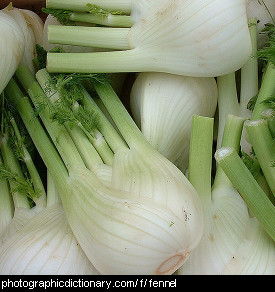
[151, 130]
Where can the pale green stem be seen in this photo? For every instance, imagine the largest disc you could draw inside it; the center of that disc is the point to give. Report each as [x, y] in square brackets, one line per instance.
[34, 174]
[200, 156]
[264, 148]
[249, 72]
[99, 37]
[11, 163]
[96, 138]
[134, 60]
[266, 91]
[86, 150]
[6, 203]
[121, 117]
[38, 135]
[231, 138]
[104, 110]
[124, 6]
[52, 192]
[58, 133]
[110, 20]
[227, 101]
[110, 134]
[242, 179]
[102, 148]
[104, 152]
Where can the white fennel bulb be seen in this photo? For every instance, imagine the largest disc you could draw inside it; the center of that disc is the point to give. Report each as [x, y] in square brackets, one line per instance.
[227, 217]
[45, 246]
[234, 241]
[140, 215]
[264, 11]
[12, 47]
[35, 22]
[163, 105]
[226, 221]
[143, 224]
[202, 38]
[28, 34]
[255, 255]
[20, 217]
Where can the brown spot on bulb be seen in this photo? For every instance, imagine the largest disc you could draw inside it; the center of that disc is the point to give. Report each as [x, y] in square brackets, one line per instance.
[172, 264]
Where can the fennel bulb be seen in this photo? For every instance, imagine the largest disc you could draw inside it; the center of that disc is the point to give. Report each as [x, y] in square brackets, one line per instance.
[255, 255]
[28, 34]
[45, 246]
[146, 219]
[12, 47]
[193, 38]
[36, 239]
[34, 21]
[20, 217]
[233, 242]
[163, 105]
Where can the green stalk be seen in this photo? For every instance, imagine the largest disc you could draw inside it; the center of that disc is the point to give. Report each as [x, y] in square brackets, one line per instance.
[247, 186]
[52, 192]
[81, 5]
[6, 203]
[87, 151]
[37, 133]
[99, 37]
[110, 134]
[124, 122]
[58, 133]
[249, 72]
[11, 163]
[227, 101]
[35, 176]
[267, 90]
[264, 148]
[102, 148]
[231, 138]
[110, 20]
[200, 156]
[134, 60]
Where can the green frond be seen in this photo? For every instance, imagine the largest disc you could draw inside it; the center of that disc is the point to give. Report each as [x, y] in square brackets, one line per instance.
[21, 185]
[63, 16]
[98, 11]
[251, 103]
[270, 102]
[251, 163]
[267, 53]
[88, 119]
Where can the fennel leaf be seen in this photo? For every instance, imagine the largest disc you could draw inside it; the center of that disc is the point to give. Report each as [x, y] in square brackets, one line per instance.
[98, 11]
[63, 16]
